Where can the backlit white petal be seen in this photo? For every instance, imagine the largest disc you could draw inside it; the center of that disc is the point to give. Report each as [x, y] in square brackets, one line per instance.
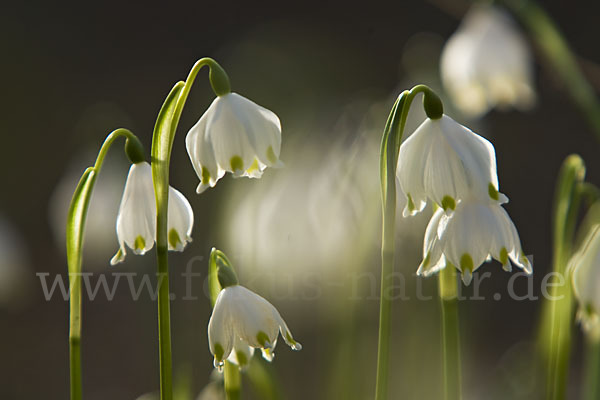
[243, 318]
[446, 162]
[220, 329]
[181, 220]
[234, 135]
[469, 236]
[433, 258]
[136, 221]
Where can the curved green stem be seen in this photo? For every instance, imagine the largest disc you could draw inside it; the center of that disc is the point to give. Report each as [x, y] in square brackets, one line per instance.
[390, 147]
[556, 325]
[76, 219]
[162, 143]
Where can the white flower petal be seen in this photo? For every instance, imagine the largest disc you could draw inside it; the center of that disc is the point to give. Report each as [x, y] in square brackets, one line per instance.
[433, 258]
[220, 329]
[181, 220]
[446, 162]
[136, 221]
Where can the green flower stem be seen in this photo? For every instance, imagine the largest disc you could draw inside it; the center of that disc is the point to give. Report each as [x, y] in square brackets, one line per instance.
[232, 377]
[557, 314]
[390, 147]
[591, 382]
[555, 48]
[448, 291]
[233, 381]
[162, 143]
[76, 220]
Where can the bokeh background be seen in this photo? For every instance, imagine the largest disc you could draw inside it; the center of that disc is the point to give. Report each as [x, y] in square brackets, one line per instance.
[305, 237]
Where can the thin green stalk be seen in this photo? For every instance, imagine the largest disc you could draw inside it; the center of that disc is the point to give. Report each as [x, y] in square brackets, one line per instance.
[591, 383]
[233, 381]
[390, 147]
[76, 220]
[557, 315]
[556, 49]
[448, 291]
[162, 143]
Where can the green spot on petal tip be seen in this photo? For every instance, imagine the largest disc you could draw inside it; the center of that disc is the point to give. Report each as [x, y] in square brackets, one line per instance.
[271, 155]
[504, 256]
[174, 238]
[448, 203]
[493, 193]
[219, 352]
[139, 243]
[411, 203]
[466, 262]
[205, 176]
[241, 358]
[236, 163]
[263, 339]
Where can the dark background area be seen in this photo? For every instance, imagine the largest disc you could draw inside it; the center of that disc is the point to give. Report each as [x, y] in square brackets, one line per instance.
[306, 61]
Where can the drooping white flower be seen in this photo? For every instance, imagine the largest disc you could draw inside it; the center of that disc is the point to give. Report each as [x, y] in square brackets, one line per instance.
[240, 317]
[234, 135]
[487, 63]
[136, 221]
[475, 232]
[446, 162]
[585, 269]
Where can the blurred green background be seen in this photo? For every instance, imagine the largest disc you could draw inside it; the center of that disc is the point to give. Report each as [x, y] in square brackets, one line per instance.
[305, 237]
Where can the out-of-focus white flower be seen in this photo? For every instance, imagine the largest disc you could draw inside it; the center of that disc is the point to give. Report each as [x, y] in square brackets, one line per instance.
[136, 221]
[585, 269]
[446, 162]
[234, 135]
[487, 63]
[475, 232]
[242, 317]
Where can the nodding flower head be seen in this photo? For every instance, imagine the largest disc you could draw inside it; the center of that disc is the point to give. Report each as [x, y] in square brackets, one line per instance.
[136, 221]
[585, 270]
[475, 232]
[445, 162]
[241, 321]
[234, 135]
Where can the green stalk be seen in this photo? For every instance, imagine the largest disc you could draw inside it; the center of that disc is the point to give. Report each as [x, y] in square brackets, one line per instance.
[591, 382]
[448, 291]
[556, 49]
[76, 220]
[390, 147]
[162, 143]
[233, 381]
[557, 314]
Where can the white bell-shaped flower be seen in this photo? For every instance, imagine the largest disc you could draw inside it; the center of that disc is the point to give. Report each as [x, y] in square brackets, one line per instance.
[234, 135]
[585, 269]
[136, 221]
[475, 232]
[240, 317]
[487, 63]
[446, 162]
